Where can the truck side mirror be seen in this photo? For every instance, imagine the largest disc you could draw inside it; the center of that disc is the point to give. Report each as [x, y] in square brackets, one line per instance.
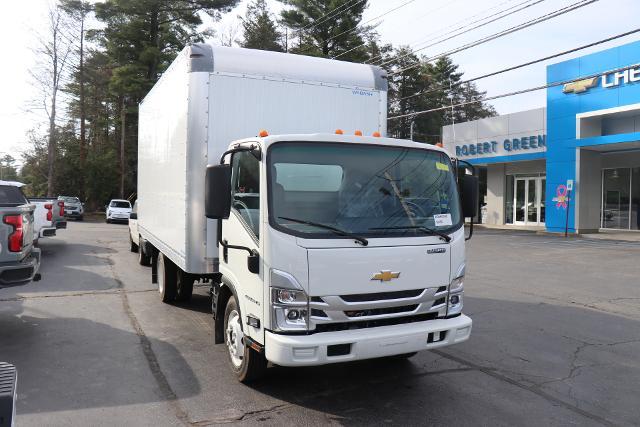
[217, 197]
[469, 194]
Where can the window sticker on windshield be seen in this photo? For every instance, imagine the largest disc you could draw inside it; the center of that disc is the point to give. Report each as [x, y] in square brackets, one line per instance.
[442, 220]
[442, 167]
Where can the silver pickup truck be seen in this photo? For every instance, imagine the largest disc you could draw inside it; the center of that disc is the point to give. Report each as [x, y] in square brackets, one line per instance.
[19, 259]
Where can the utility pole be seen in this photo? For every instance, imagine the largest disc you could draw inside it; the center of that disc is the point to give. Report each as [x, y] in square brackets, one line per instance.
[123, 122]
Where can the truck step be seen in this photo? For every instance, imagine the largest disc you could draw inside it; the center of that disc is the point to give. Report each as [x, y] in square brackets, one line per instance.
[8, 382]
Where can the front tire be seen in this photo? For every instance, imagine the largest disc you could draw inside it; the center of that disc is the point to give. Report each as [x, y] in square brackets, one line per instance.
[133, 247]
[245, 362]
[143, 258]
[167, 286]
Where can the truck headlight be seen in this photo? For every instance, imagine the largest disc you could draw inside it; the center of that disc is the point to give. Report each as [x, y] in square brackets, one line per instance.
[289, 310]
[289, 303]
[456, 290]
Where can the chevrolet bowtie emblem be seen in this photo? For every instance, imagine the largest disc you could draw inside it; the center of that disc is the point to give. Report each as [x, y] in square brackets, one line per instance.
[580, 86]
[385, 276]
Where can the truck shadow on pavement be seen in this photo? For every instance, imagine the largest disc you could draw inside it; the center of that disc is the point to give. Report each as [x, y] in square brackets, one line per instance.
[522, 358]
[69, 363]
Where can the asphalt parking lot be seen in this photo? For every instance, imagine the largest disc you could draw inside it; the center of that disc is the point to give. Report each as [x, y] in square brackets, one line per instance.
[556, 341]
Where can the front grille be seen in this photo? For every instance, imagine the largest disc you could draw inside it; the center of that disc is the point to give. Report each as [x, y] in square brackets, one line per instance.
[382, 296]
[344, 326]
[381, 311]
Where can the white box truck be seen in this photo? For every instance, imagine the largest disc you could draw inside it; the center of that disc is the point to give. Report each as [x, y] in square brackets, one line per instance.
[321, 245]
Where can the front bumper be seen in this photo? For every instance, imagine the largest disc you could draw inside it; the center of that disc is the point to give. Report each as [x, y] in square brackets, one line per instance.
[20, 273]
[73, 214]
[310, 350]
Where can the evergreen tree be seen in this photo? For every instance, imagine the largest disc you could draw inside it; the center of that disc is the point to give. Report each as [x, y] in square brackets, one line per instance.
[327, 36]
[8, 171]
[259, 29]
[417, 85]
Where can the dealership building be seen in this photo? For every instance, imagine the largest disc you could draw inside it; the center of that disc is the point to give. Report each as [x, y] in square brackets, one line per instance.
[574, 163]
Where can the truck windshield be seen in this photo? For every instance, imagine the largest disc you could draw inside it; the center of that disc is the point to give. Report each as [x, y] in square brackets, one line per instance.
[361, 189]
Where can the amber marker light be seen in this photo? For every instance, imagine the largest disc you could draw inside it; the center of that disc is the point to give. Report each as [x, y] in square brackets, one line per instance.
[339, 132]
[263, 133]
[358, 133]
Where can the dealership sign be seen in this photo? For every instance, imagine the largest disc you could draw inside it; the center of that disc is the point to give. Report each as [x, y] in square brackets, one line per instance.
[508, 146]
[607, 80]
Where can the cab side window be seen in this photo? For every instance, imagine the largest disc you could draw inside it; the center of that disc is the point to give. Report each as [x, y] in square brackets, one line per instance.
[245, 189]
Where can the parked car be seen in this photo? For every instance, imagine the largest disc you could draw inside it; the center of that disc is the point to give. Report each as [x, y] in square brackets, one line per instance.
[134, 238]
[19, 259]
[73, 207]
[118, 210]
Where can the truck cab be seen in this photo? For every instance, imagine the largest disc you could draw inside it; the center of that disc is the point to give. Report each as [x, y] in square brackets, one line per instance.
[335, 248]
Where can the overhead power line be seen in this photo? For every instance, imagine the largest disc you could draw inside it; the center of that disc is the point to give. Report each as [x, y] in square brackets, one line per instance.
[496, 17]
[438, 31]
[379, 56]
[518, 92]
[364, 23]
[526, 64]
[503, 33]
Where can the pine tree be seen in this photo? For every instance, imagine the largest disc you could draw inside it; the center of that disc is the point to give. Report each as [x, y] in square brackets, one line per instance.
[259, 29]
[141, 38]
[327, 28]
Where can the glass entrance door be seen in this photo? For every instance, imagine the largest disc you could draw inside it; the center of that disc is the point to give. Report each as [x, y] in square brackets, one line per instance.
[528, 202]
[621, 198]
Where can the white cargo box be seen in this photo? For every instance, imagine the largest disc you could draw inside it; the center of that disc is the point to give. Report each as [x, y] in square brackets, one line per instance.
[211, 96]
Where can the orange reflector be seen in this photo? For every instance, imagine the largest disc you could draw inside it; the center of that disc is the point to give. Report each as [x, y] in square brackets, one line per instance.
[376, 134]
[339, 132]
[358, 133]
[439, 144]
[263, 133]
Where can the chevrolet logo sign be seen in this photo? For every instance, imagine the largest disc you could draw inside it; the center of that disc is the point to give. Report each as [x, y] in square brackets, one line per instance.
[580, 86]
[385, 276]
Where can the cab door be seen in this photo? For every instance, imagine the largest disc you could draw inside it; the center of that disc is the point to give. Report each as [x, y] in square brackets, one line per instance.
[243, 228]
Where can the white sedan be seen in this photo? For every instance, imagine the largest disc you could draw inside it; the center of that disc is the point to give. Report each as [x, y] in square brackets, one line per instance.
[118, 210]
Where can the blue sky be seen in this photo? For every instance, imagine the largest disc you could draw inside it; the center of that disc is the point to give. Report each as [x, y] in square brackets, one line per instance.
[418, 21]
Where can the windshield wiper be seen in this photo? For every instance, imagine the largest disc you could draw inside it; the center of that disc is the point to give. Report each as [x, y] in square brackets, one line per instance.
[411, 227]
[361, 240]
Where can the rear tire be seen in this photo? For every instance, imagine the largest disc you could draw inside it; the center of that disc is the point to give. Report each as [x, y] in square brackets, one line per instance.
[143, 258]
[245, 362]
[184, 285]
[167, 274]
[133, 247]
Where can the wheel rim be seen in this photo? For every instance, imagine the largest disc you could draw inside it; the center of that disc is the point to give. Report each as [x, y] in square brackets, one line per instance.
[160, 274]
[234, 338]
